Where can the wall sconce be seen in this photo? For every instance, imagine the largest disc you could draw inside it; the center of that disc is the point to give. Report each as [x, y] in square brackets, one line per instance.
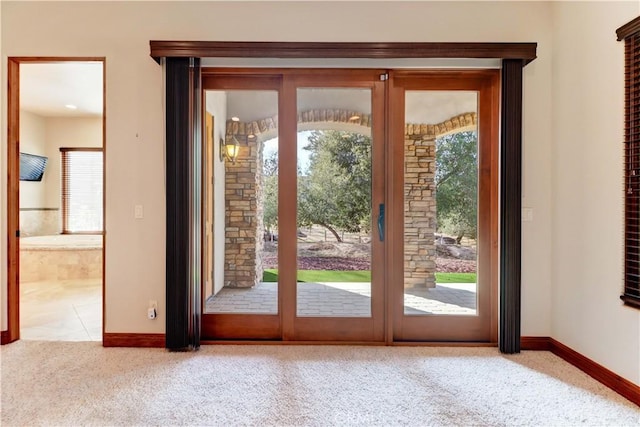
[230, 149]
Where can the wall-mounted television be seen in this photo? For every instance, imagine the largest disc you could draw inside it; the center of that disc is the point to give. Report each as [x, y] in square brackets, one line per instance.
[32, 167]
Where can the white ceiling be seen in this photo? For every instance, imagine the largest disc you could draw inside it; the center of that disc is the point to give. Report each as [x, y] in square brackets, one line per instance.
[425, 107]
[45, 89]
[436, 106]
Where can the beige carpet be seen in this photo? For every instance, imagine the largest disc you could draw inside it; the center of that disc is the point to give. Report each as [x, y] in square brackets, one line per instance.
[55, 383]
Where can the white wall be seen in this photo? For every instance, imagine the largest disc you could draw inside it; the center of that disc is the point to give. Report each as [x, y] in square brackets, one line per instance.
[587, 200]
[216, 102]
[135, 249]
[67, 132]
[33, 141]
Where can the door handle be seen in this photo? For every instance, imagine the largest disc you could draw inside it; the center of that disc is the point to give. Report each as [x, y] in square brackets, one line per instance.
[381, 222]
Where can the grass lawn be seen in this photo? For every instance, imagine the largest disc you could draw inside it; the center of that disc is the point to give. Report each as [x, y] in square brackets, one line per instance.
[455, 277]
[322, 276]
[360, 276]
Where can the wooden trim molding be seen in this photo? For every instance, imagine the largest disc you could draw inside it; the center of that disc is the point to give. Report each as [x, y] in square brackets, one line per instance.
[628, 29]
[13, 201]
[67, 149]
[133, 340]
[612, 380]
[234, 49]
[4, 337]
[630, 301]
[535, 343]
[615, 382]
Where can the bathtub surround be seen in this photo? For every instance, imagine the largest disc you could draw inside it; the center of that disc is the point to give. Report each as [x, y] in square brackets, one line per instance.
[61, 257]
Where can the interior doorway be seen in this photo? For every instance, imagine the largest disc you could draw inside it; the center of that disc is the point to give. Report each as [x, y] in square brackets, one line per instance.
[318, 225]
[56, 199]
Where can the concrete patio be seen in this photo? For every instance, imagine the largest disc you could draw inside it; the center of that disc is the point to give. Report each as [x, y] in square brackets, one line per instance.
[344, 300]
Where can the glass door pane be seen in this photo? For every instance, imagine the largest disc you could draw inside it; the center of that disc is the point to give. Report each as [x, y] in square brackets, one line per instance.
[244, 202]
[440, 203]
[334, 208]
[445, 205]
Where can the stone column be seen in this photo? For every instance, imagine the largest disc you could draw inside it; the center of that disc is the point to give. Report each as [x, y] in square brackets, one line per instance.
[420, 209]
[244, 223]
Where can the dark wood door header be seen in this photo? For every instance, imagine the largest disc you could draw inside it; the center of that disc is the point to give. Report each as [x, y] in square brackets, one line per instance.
[209, 49]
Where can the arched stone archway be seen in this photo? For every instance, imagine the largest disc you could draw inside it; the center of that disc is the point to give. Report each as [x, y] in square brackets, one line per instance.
[244, 196]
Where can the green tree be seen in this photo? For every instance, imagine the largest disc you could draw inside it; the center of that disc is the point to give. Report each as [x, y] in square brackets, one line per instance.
[270, 191]
[456, 182]
[336, 192]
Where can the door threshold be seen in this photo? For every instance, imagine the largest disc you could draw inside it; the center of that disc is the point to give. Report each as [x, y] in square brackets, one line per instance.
[356, 343]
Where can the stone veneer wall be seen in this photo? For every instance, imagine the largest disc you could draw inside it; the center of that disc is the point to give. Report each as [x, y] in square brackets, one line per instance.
[244, 227]
[420, 211]
[244, 230]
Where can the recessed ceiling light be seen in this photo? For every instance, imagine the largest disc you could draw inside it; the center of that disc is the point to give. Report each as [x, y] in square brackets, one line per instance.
[235, 119]
[71, 107]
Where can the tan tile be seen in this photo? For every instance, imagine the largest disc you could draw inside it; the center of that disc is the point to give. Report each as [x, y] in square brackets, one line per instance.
[61, 309]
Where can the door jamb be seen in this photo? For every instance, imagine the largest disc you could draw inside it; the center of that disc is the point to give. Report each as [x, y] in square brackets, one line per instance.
[13, 186]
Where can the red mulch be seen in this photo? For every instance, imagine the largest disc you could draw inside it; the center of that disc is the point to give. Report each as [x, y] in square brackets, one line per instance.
[444, 265]
[448, 265]
[323, 263]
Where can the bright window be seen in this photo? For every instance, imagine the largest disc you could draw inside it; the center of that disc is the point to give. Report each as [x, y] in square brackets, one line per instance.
[82, 196]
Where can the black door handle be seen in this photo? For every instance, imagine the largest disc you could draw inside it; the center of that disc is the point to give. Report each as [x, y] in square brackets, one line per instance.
[381, 222]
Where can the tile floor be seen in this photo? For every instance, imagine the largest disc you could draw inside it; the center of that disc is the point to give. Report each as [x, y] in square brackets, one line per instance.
[345, 300]
[61, 310]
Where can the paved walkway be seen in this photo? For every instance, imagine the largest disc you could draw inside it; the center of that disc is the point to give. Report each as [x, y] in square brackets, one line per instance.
[345, 300]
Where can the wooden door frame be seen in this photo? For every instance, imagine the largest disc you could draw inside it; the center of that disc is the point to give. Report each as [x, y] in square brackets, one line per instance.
[13, 185]
[282, 326]
[513, 57]
[351, 329]
[410, 328]
[208, 158]
[230, 326]
[238, 326]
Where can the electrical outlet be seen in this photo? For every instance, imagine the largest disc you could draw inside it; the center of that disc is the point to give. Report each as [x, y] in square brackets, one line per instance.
[152, 311]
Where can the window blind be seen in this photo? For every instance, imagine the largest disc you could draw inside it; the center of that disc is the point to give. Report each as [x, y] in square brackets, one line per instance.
[630, 33]
[82, 184]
